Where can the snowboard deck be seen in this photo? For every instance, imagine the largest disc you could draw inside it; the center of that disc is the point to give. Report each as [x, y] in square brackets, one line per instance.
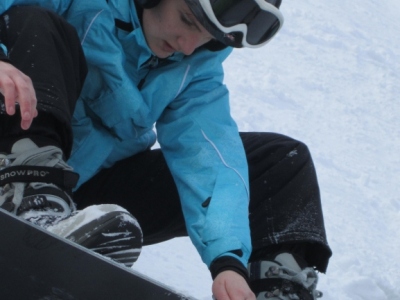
[38, 265]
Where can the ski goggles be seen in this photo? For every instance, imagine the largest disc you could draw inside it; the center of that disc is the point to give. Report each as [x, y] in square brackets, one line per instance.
[239, 23]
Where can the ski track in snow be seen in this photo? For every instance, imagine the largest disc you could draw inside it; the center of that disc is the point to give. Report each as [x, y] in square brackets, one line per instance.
[331, 79]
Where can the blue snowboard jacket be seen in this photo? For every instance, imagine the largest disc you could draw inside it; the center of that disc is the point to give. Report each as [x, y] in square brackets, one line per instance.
[183, 97]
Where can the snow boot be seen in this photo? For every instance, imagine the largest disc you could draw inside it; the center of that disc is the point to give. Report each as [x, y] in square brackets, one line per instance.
[107, 229]
[284, 277]
[36, 185]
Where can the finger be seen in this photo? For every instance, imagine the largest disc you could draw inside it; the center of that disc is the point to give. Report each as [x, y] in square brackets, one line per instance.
[7, 88]
[27, 101]
[25, 124]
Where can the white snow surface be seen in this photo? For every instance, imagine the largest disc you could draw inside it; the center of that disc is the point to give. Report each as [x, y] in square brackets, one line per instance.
[331, 78]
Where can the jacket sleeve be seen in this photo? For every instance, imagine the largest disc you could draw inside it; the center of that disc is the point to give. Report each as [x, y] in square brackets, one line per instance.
[204, 151]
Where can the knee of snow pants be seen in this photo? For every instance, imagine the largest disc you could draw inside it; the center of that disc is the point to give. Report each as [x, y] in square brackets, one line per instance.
[285, 205]
[46, 48]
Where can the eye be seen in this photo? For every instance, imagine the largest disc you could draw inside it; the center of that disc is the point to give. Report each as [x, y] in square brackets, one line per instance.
[185, 19]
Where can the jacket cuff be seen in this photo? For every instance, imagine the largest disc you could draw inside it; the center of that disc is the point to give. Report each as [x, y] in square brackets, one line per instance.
[228, 263]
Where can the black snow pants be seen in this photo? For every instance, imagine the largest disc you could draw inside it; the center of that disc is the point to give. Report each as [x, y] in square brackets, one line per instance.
[285, 206]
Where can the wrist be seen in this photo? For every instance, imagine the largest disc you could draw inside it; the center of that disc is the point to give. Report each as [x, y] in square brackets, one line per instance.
[228, 263]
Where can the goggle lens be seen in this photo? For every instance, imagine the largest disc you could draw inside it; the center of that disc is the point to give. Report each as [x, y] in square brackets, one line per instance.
[261, 24]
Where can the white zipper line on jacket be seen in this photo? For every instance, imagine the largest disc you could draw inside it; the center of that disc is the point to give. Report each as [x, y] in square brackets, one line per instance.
[223, 161]
[90, 26]
[183, 80]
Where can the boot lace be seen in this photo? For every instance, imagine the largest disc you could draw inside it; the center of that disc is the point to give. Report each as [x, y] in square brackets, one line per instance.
[292, 280]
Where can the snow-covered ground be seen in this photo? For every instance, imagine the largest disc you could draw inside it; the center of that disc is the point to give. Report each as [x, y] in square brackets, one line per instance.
[331, 78]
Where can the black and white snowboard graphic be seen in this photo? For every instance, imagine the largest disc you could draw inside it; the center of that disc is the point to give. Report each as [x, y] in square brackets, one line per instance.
[38, 265]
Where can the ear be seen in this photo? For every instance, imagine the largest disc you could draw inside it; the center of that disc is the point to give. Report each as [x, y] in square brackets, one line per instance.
[148, 3]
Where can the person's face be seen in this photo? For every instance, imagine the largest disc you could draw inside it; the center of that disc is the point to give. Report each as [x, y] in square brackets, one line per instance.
[171, 27]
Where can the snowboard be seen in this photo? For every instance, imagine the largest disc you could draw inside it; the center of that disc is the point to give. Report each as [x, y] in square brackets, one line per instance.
[38, 265]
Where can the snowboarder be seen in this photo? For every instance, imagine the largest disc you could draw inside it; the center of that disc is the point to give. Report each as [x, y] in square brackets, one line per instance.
[85, 81]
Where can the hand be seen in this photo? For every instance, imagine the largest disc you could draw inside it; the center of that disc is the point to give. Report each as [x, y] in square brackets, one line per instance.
[16, 87]
[229, 285]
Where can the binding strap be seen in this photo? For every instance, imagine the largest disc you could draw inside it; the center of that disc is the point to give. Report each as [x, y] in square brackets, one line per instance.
[282, 288]
[63, 178]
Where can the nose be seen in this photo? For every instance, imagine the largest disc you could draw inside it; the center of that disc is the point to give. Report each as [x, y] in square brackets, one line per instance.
[188, 43]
